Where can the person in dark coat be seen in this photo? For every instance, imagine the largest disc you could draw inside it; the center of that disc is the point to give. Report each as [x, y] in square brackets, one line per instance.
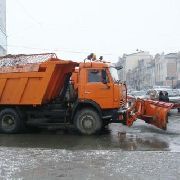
[161, 96]
[166, 97]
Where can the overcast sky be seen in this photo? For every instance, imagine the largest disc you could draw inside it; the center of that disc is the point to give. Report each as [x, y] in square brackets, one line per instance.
[74, 28]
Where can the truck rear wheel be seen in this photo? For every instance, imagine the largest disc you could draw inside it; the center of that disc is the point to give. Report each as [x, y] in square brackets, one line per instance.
[87, 121]
[10, 121]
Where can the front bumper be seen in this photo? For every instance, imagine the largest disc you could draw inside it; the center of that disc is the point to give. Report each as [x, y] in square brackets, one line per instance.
[119, 116]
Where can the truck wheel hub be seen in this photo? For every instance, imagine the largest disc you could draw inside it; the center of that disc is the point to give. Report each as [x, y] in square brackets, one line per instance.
[8, 121]
[87, 122]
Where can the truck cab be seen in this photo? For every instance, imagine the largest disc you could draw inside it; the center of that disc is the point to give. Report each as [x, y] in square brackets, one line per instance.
[98, 88]
[99, 83]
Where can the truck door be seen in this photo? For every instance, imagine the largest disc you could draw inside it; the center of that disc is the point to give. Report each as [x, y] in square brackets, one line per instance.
[98, 88]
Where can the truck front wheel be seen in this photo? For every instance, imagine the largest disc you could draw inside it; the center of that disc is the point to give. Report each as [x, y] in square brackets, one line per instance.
[10, 121]
[87, 121]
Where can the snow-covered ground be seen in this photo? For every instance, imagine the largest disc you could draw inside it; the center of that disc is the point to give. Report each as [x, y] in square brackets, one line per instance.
[139, 152]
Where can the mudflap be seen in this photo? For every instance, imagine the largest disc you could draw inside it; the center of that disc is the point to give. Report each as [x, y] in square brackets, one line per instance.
[152, 112]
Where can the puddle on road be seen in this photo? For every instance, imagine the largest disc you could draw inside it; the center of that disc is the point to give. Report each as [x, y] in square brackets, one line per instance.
[139, 137]
[114, 138]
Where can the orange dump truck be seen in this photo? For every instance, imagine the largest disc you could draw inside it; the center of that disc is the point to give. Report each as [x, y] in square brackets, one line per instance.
[54, 92]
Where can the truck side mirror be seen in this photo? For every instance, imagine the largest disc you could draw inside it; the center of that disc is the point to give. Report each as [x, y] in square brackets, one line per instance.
[119, 67]
[104, 77]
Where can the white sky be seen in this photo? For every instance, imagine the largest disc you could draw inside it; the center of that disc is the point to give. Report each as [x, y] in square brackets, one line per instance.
[106, 27]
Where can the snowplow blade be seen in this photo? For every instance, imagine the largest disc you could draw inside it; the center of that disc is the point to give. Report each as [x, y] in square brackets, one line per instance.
[152, 112]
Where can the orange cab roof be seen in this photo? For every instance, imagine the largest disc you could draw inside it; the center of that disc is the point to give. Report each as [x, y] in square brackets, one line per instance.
[93, 65]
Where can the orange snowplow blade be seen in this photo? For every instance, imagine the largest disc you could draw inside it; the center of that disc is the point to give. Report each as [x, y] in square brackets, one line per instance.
[152, 112]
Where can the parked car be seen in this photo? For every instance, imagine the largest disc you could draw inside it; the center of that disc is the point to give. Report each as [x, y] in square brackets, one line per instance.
[139, 94]
[173, 94]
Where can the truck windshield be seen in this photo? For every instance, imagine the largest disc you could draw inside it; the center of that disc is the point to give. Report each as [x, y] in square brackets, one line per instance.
[114, 74]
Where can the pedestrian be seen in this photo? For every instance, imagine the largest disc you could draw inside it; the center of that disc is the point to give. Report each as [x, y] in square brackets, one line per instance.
[166, 97]
[161, 96]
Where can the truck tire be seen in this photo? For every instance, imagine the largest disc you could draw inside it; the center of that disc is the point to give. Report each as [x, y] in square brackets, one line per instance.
[10, 121]
[87, 121]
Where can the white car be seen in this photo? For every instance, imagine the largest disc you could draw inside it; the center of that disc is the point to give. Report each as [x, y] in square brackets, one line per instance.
[139, 94]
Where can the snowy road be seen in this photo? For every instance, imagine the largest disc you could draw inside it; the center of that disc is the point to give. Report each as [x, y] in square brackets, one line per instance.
[142, 152]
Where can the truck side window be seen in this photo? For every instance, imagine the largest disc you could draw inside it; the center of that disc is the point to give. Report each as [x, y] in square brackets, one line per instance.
[94, 75]
[105, 78]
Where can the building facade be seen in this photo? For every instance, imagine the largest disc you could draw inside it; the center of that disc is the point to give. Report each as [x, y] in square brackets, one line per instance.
[3, 37]
[133, 59]
[143, 76]
[142, 71]
[178, 70]
[167, 69]
[138, 70]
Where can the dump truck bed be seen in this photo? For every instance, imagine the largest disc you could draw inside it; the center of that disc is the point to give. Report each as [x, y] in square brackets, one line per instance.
[35, 83]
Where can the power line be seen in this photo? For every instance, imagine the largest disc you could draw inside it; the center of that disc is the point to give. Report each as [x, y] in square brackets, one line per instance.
[46, 49]
[40, 24]
[66, 51]
[57, 50]
[27, 13]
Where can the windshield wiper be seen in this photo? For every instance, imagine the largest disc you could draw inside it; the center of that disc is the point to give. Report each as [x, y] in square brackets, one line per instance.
[117, 67]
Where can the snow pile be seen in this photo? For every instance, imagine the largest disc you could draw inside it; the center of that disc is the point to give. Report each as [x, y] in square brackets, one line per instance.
[23, 59]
